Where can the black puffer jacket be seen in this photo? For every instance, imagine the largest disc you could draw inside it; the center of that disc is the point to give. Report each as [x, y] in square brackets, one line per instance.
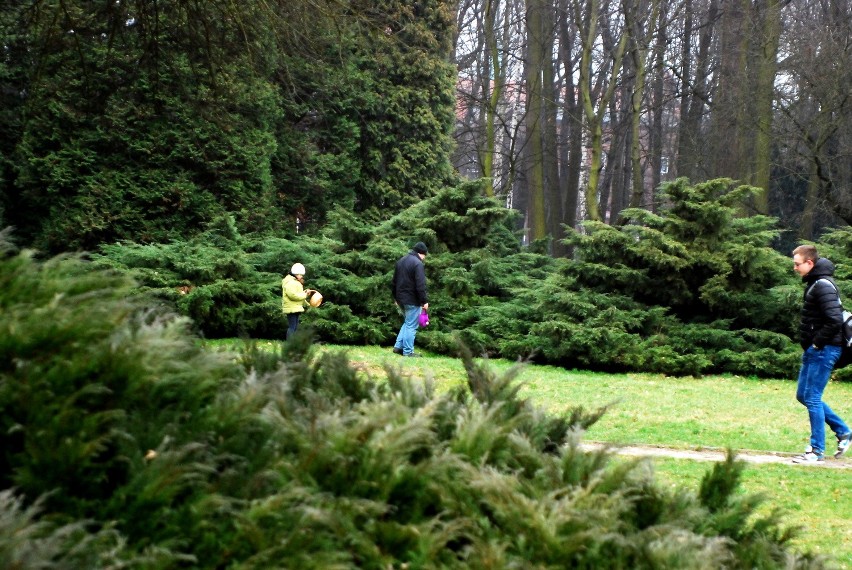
[409, 281]
[822, 316]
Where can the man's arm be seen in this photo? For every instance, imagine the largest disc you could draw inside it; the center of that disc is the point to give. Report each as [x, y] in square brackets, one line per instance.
[420, 284]
[829, 303]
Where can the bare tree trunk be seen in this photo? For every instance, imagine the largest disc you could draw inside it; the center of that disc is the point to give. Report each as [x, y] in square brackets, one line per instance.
[553, 196]
[574, 126]
[806, 227]
[727, 136]
[492, 93]
[655, 133]
[594, 118]
[641, 36]
[620, 170]
[535, 62]
[691, 161]
[614, 185]
[764, 95]
[608, 163]
[571, 149]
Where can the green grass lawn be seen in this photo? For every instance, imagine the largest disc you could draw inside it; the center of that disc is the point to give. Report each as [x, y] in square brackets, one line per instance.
[710, 412]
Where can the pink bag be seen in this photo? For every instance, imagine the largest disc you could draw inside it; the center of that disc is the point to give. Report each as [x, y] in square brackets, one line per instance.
[424, 318]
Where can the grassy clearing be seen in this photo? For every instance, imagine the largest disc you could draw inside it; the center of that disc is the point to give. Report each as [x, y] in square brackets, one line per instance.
[710, 412]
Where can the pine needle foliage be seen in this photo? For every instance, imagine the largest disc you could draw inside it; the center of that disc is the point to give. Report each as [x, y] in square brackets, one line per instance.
[144, 122]
[230, 284]
[729, 514]
[692, 289]
[31, 541]
[210, 278]
[174, 456]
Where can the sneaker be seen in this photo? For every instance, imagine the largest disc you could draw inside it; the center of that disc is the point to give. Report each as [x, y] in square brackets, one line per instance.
[844, 442]
[397, 351]
[808, 457]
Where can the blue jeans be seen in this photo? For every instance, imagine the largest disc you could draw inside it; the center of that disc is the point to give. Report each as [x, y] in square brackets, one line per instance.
[813, 378]
[292, 324]
[408, 330]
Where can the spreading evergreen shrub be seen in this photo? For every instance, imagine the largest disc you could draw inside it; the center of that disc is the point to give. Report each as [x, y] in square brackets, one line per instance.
[693, 289]
[142, 449]
[676, 291]
[30, 540]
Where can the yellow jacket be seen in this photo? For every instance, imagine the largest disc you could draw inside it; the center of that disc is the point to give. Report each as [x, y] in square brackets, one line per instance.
[293, 296]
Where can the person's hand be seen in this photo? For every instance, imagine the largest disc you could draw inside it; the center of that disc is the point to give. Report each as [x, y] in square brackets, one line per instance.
[309, 292]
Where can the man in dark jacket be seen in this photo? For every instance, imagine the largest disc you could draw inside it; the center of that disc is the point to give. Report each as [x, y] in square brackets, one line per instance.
[821, 337]
[409, 294]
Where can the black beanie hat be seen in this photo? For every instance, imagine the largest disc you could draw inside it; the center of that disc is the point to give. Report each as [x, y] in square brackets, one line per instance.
[420, 247]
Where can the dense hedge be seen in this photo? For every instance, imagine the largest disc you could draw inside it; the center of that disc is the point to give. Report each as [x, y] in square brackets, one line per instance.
[692, 289]
[126, 444]
[145, 121]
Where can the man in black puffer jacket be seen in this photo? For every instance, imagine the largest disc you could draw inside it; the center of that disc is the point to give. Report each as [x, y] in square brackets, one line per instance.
[822, 340]
[409, 293]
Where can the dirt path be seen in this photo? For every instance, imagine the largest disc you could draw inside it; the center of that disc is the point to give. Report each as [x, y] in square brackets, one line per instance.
[830, 462]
